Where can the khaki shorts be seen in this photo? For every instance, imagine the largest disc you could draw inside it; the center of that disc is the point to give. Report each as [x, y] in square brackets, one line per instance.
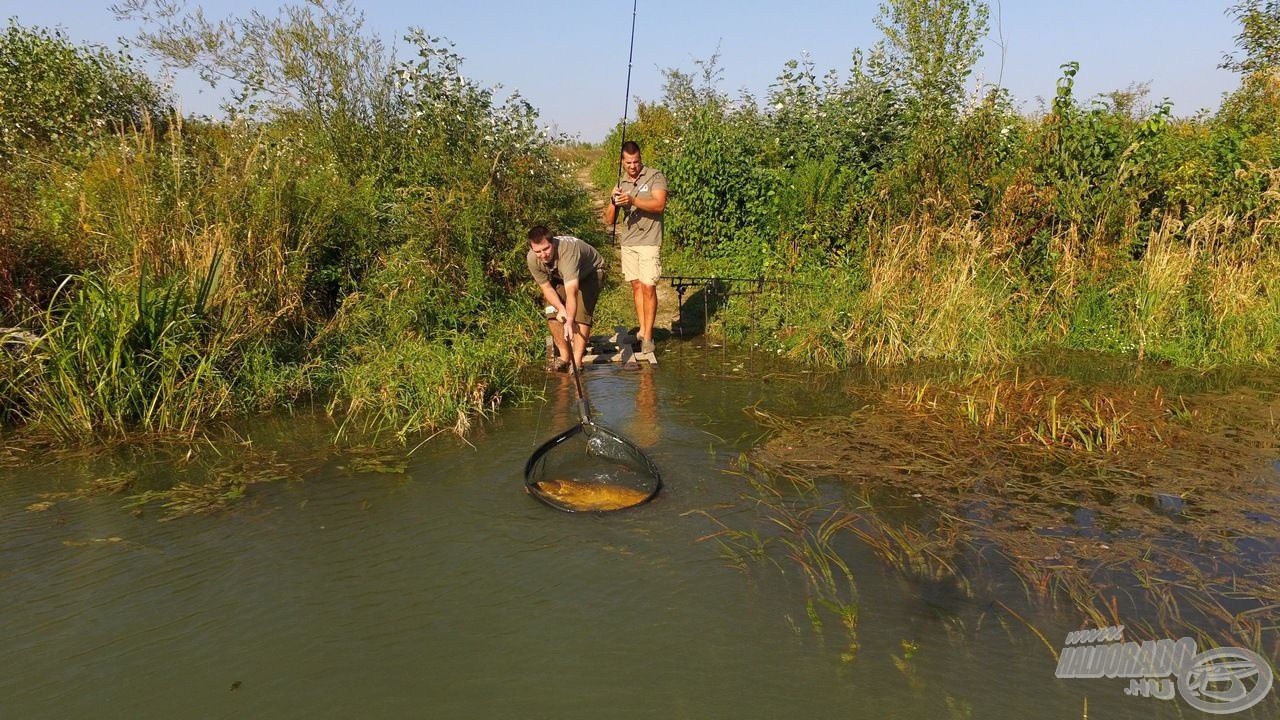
[641, 262]
[588, 294]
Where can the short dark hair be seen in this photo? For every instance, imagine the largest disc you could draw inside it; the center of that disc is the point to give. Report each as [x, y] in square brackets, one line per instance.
[538, 233]
[631, 147]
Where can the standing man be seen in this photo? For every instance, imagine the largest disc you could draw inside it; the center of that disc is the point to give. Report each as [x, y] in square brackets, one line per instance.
[569, 272]
[642, 197]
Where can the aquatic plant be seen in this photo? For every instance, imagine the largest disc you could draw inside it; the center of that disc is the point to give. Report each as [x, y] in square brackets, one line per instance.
[1106, 498]
[805, 533]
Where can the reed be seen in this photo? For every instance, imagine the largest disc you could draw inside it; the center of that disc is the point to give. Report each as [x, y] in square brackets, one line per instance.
[112, 360]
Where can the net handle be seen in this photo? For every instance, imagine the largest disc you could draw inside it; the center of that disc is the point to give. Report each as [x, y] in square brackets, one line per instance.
[584, 403]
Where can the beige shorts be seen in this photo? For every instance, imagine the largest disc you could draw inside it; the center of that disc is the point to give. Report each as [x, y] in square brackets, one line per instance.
[641, 262]
[588, 295]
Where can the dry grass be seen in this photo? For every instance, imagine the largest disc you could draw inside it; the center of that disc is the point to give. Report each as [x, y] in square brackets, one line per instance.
[929, 295]
[168, 210]
[1200, 296]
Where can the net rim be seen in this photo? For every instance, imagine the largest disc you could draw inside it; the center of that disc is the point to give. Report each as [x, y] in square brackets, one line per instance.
[547, 446]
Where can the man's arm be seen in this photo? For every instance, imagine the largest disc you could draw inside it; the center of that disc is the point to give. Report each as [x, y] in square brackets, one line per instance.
[570, 307]
[611, 207]
[656, 202]
[549, 294]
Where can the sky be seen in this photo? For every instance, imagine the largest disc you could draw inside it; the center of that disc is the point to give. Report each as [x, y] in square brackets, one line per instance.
[570, 58]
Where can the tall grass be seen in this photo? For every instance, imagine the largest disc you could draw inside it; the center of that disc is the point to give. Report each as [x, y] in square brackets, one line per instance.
[366, 251]
[114, 359]
[922, 292]
[940, 223]
[442, 383]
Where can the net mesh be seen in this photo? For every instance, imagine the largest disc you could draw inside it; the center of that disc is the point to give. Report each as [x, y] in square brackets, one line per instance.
[590, 468]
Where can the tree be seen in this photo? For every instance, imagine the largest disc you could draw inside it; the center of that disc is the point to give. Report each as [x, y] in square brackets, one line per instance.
[312, 62]
[930, 48]
[1259, 38]
[54, 93]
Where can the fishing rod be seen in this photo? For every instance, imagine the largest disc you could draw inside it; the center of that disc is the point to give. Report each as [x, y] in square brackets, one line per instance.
[714, 285]
[626, 109]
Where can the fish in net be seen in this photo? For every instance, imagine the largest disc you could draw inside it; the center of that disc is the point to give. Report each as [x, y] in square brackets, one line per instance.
[590, 467]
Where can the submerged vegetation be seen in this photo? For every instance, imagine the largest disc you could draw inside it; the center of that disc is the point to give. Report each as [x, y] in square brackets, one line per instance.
[1149, 505]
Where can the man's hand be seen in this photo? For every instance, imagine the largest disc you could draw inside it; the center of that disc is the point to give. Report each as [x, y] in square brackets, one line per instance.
[570, 329]
[620, 198]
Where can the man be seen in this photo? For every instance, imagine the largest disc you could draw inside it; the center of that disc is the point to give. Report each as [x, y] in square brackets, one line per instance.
[569, 272]
[642, 196]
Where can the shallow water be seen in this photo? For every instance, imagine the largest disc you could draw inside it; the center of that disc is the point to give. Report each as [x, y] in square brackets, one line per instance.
[444, 591]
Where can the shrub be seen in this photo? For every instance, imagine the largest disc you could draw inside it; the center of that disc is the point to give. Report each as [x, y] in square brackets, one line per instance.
[61, 94]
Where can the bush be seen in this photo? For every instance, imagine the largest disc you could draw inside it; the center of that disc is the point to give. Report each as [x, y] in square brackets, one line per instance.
[57, 93]
[364, 214]
[952, 219]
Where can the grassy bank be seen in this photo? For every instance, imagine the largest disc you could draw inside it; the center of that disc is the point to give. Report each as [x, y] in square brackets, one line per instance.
[932, 220]
[354, 234]
[923, 293]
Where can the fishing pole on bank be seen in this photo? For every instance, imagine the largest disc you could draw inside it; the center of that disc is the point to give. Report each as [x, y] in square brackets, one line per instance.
[626, 109]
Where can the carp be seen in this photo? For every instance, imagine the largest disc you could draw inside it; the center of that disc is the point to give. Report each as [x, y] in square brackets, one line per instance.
[590, 496]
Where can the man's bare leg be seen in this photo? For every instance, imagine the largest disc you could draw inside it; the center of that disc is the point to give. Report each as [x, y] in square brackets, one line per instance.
[557, 337]
[638, 297]
[580, 343]
[650, 314]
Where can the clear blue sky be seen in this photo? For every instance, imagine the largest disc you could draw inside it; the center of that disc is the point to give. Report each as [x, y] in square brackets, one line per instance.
[569, 58]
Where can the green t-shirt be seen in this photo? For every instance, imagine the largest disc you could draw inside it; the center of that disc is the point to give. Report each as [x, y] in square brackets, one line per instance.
[642, 227]
[575, 259]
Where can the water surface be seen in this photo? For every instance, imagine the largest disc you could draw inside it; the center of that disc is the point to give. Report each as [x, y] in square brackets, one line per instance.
[444, 591]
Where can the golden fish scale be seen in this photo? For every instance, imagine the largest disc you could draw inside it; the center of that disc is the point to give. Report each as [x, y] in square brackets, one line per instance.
[590, 496]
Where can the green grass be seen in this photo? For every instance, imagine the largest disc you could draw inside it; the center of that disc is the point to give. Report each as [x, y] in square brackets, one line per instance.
[421, 385]
[114, 359]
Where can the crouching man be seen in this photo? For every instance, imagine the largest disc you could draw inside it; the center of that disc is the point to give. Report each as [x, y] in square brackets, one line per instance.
[569, 272]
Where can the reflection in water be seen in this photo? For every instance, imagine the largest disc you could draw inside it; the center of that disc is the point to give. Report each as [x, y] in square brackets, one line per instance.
[643, 428]
[560, 401]
[603, 386]
[430, 584]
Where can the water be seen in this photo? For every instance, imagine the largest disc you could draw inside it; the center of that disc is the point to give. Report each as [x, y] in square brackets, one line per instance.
[446, 592]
